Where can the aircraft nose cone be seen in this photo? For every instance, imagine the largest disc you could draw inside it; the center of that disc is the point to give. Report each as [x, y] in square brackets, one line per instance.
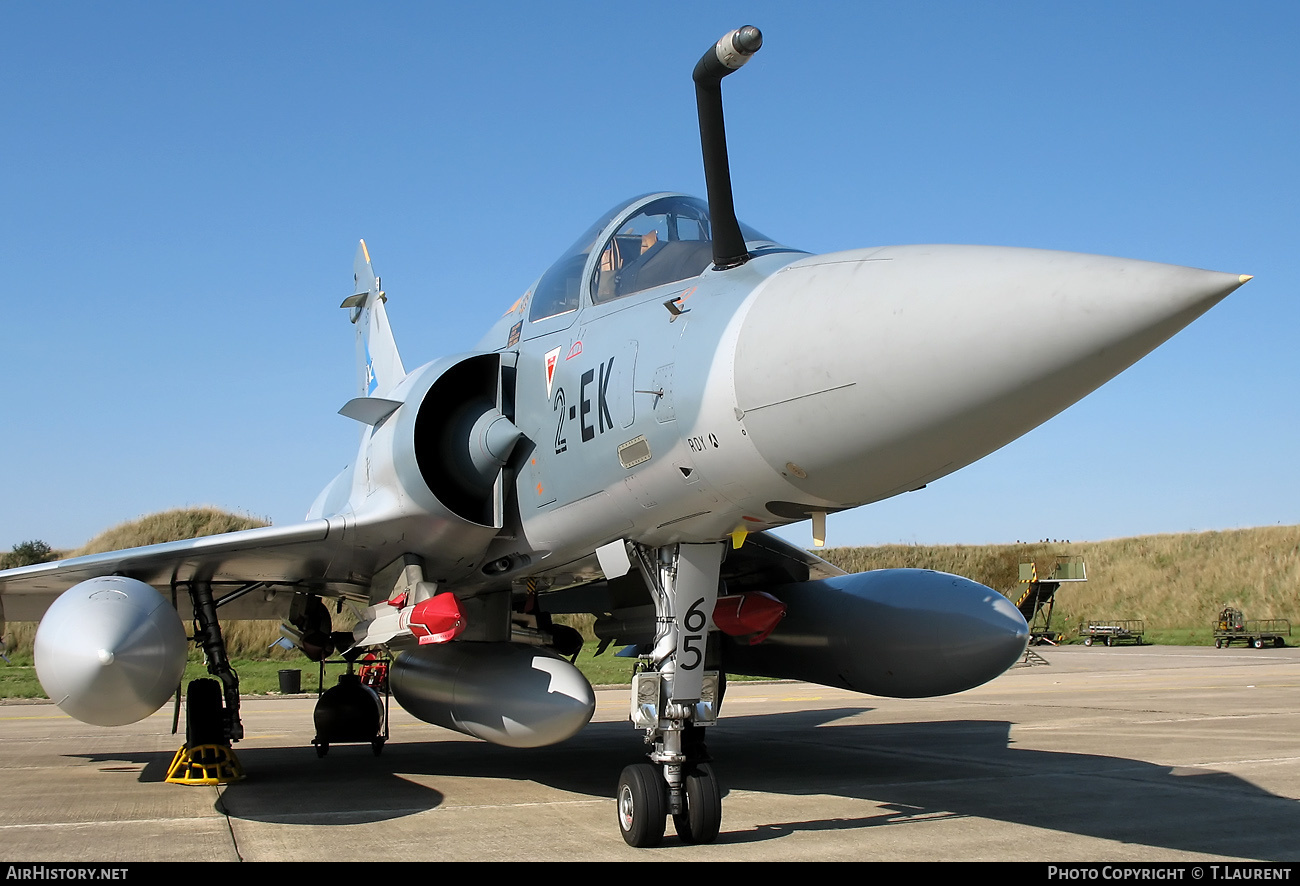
[926, 358]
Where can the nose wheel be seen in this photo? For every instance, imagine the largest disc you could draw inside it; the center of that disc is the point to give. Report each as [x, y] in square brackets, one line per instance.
[643, 805]
[701, 820]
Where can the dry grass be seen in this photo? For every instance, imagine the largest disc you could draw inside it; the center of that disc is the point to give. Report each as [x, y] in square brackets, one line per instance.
[1169, 581]
[167, 526]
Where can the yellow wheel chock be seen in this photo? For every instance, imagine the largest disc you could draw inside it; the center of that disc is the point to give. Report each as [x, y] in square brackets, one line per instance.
[205, 764]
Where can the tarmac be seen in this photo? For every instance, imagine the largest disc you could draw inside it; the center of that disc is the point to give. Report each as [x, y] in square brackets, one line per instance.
[1123, 754]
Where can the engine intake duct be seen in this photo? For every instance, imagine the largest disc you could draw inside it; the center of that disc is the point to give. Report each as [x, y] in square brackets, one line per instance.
[462, 439]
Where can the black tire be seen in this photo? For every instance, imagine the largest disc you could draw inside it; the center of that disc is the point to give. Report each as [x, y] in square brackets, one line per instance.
[203, 713]
[377, 746]
[1087, 642]
[1259, 643]
[1278, 642]
[702, 819]
[641, 804]
[1218, 644]
[1108, 641]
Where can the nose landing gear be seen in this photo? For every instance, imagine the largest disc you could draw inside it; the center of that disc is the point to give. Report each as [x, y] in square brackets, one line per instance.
[643, 806]
[674, 699]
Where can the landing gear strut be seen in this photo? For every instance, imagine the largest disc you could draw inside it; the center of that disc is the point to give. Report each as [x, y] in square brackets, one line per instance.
[674, 698]
[207, 633]
[210, 727]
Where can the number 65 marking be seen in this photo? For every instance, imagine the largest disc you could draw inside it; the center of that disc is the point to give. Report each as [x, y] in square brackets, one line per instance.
[692, 644]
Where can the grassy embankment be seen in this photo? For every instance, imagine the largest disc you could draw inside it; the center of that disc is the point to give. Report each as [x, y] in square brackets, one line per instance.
[1175, 583]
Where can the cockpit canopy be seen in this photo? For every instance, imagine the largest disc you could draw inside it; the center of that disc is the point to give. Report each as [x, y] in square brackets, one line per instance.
[655, 239]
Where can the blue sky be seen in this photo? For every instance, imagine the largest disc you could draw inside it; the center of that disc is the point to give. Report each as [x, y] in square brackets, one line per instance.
[184, 185]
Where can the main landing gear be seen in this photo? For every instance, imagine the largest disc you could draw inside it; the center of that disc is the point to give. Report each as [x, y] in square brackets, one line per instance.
[674, 698]
[211, 727]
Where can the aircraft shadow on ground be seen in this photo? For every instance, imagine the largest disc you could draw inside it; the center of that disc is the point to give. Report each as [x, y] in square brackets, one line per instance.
[971, 768]
[915, 772]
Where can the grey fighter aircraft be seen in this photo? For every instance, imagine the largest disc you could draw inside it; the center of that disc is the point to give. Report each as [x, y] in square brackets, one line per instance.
[672, 387]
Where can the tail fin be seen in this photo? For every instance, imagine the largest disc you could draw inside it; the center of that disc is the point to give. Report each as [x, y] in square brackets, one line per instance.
[379, 366]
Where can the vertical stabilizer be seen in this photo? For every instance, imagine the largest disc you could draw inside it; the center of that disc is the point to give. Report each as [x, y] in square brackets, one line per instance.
[379, 366]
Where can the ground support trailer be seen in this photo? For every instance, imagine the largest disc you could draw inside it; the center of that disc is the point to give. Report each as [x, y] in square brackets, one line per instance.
[1258, 632]
[1112, 632]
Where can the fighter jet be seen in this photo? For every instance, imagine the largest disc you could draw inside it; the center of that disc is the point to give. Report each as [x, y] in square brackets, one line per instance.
[620, 442]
